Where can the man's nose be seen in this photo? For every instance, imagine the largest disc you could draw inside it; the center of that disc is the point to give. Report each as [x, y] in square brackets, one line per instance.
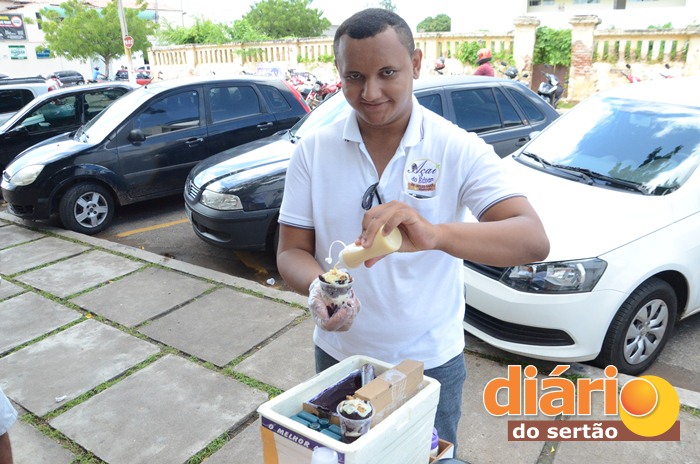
[372, 89]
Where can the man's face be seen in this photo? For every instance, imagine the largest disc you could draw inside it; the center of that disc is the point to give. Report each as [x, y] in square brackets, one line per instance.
[377, 77]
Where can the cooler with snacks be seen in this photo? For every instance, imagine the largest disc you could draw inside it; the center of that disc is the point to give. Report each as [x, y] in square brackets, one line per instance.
[398, 401]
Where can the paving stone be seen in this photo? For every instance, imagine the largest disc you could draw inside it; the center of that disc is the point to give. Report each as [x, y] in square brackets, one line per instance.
[79, 273]
[28, 316]
[8, 289]
[29, 446]
[277, 365]
[12, 235]
[246, 447]
[482, 435]
[37, 253]
[69, 364]
[164, 413]
[221, 325]
[142, 295]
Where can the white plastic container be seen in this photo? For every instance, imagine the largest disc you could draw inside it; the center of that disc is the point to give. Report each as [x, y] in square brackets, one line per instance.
[404, 436]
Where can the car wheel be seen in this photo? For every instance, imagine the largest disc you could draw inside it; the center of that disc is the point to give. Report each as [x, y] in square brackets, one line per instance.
[641, 328]
[87, 208]
[80, 82]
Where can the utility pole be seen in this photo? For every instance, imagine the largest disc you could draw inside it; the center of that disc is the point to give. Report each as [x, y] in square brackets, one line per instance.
[127, 49]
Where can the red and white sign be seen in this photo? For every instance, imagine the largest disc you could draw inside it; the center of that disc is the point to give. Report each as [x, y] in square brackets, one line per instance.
[128, 41]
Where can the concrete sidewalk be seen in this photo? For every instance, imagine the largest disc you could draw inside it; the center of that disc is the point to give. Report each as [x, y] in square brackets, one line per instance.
[113, 354]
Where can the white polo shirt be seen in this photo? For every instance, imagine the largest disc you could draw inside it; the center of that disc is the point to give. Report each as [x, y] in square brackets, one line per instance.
[412, 303]
[8, 414]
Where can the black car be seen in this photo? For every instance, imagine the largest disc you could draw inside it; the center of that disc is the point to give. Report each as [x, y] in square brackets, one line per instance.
[55, 113]
[68, 77]
[143, 146]
[233, 198]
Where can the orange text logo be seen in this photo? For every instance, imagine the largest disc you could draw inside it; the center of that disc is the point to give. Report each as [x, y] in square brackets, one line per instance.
[647, 406]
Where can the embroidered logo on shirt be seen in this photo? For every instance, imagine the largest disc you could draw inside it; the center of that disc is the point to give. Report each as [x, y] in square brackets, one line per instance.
[421, 178]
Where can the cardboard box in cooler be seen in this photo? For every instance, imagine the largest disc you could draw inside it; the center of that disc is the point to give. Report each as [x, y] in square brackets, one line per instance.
[445, 450]
[403, 436]
[392, 388]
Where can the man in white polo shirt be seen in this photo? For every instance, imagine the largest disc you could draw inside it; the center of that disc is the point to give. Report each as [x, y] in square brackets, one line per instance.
[393, 163]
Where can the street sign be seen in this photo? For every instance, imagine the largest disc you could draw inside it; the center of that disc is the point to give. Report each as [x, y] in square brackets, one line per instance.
[128, 41]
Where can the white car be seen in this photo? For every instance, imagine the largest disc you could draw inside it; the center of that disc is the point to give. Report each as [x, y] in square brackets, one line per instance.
[615, 183]
[17, 92]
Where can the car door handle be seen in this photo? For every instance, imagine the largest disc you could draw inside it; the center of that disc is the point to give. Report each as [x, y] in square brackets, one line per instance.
[264, 126]
[522, 141]
[194, 141]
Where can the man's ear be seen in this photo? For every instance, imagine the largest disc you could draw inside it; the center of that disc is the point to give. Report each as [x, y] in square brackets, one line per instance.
[416, 60]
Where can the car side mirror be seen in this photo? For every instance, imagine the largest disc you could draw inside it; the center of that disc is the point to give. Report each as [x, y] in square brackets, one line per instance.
[136, 136]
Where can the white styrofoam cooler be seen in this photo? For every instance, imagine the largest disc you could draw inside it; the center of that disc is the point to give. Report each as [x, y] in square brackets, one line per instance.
[402, 437]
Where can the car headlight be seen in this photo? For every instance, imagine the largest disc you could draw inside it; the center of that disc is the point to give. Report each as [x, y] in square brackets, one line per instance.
[221, 201]
[26, 175]
[557, 277]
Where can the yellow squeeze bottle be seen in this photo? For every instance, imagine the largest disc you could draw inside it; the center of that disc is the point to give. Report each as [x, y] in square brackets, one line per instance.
[354, 255]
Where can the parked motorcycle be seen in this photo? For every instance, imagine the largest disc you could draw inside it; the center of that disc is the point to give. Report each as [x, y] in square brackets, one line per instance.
[320, 91]
[550, 89]
[668, 73]
[511, 72]
[630, 77]
[303, 82]
[439, 65]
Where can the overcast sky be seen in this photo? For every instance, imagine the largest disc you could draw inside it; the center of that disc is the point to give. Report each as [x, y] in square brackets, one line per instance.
[335, 10]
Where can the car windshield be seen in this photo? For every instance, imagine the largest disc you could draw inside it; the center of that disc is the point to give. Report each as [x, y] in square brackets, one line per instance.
[98, 128]
[651, 145]
[330, 110]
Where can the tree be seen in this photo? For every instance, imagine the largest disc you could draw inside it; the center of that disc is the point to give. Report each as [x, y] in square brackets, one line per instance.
[205, 31]
[84, 33]
[552, 46]
[286, 18]
[243, 31]
[387, 5]
[440, 23]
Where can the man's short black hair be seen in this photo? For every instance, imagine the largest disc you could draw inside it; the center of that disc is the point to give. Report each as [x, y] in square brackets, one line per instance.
[372, 21]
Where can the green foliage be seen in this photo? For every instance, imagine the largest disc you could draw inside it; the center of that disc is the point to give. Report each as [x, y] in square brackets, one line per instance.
[254, 54]
[387, 5]
[440, 23]
[552, 46]
[663, 26]
[206, 31]
[318, 59]
[279, 19]
[243, 31]
[467, 53]
[86, 33]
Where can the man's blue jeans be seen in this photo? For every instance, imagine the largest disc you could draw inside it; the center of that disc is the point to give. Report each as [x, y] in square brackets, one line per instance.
[451, 376]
